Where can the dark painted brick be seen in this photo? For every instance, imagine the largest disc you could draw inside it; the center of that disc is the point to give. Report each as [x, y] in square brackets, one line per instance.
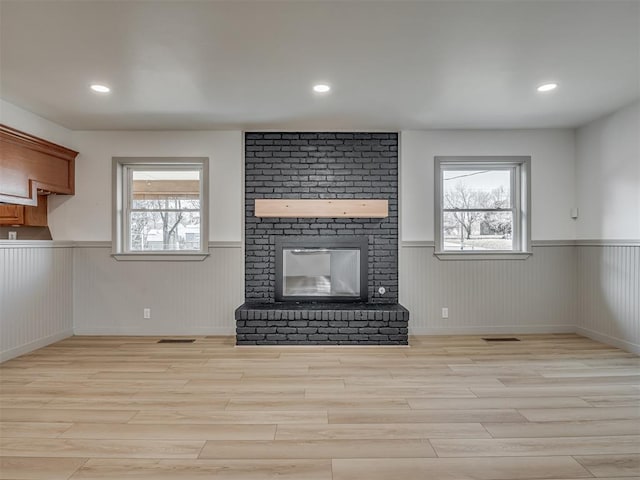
[243, 330]
[296, 337]
[318, 337]
[320, 165]
[266, 330]
[310, 330]
[347, 330]
[298, 323]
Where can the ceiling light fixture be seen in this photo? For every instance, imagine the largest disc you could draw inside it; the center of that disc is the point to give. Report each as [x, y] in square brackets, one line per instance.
[321, 88]
[547, 87]
[99, 88]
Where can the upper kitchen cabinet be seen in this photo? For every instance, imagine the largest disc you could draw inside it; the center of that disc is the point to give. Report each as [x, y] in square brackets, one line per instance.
[30, 166]
[30, 169]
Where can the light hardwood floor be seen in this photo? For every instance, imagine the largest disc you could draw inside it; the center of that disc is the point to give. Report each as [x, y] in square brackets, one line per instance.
[455, 408]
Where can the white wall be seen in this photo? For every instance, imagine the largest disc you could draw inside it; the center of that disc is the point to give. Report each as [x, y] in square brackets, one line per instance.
[185, 298]
[36, 279]
[87, 215]
[28, 122]
[47, 292]
[536, 295]
[608, 192]
[608, 176]
[552, 175]
[508, 296]
[608, 288]
[109, 295]
[36, 296]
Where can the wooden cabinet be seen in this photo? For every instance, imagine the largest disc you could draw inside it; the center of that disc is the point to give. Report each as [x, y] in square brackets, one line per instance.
[30, 168]
[11, 214]
[25, 215]
[29, 165]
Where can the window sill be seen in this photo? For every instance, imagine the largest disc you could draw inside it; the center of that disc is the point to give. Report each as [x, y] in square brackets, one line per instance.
[160, 257]
[470, 255]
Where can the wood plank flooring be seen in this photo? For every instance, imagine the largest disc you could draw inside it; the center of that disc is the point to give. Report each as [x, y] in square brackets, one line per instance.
[455, 408]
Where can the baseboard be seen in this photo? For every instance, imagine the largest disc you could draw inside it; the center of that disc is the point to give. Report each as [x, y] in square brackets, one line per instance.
[492, 330]
[36, 344]
[154, 332]
[609, 340]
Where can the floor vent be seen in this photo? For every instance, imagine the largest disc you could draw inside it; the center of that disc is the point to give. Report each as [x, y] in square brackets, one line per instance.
[177, 340]
[502, 339]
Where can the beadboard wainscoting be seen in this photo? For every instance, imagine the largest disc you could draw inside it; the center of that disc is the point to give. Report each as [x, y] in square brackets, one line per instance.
[608, 301]
[535, 295]
[36, 295]
[51, 290]
[185, 298]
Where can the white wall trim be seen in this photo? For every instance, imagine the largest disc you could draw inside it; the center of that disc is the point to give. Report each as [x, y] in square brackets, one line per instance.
[160, 332]
[95, 244]
[553, 243]
[226, 244]
[418, 244]
[35, 244]
[107, 244]
[494, 330]
[36, 344]
[238, 243]
[542, 243]
[607, 243]
[609, 340]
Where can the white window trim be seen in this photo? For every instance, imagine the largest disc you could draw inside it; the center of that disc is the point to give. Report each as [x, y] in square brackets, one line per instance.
[522, 194]
[119, 193]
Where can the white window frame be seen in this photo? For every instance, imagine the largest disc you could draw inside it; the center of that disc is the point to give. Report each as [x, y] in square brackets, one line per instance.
[121, 181]
[520, 206]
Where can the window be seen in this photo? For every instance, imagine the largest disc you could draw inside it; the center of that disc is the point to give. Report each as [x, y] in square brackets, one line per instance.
[160, 208]
[482, 207]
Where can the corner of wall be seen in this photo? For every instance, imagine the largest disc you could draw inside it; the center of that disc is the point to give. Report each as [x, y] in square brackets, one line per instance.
[26, 121]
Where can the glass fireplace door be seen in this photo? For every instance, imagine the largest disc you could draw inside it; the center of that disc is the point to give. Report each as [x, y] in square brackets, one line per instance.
[321, 272]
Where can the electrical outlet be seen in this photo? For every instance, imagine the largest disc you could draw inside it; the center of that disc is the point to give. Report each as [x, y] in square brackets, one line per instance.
[445, 312]
[147, 313]
[13, 235]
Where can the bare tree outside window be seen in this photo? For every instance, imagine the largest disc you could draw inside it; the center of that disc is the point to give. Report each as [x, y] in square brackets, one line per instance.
[160, 208]
[482, 207]
[165, 210]
[477, 209]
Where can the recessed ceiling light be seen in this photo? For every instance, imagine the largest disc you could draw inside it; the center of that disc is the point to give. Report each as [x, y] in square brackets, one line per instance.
[547, 87]
[321, 88]
[99, 88]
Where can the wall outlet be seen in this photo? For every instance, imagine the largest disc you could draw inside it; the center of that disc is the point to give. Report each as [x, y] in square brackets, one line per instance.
[146, 313]
[445, 312]
[13, 235]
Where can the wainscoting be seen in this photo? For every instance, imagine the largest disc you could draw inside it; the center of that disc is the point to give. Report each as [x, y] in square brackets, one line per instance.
[50, 290]
[186, 298]
[535, 295]
[36, 296]
[608, 301]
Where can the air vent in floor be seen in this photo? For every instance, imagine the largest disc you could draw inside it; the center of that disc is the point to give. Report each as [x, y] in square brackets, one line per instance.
[177, 340]
[502, 339]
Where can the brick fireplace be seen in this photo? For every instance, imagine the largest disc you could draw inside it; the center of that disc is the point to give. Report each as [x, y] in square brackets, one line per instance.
[301, 165]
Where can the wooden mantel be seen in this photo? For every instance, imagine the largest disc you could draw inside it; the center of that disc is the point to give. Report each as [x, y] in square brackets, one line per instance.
[30, 165]
[329, 208]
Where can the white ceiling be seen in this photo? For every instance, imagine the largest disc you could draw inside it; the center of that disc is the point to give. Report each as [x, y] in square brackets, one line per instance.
[251, 64]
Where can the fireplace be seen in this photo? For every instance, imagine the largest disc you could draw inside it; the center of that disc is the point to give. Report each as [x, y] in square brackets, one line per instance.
[321, 269]
[321, 280]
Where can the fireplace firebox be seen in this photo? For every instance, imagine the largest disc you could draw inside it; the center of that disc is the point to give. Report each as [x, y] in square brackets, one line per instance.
[321, 269]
